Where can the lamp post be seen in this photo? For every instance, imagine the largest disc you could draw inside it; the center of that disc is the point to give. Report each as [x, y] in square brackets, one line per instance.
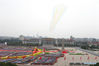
[56, 42]
[62, 44]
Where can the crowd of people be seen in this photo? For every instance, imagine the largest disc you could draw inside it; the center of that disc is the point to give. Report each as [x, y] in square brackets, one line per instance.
[49, 58]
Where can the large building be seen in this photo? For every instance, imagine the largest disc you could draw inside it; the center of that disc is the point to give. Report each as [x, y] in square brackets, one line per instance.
[47, 41]
[66, 42]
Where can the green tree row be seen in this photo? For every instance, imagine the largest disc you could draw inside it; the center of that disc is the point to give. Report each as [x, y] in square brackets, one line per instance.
[7, 64]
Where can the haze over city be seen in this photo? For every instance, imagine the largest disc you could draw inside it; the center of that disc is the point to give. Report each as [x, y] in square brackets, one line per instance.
[23, 17]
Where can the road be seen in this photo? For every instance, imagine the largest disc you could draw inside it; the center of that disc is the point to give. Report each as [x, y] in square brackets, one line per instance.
[91, 52]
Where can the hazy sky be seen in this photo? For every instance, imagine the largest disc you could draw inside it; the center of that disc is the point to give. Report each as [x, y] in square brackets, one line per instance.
[31, 17]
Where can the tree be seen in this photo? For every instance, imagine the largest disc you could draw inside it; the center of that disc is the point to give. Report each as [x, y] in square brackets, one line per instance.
[95, 64]
[7, 64]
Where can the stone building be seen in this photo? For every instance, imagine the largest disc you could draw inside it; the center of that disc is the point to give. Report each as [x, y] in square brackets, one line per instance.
[48, 42]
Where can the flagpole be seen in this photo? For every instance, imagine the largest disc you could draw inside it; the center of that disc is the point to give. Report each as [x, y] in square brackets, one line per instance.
[73, 60]
[81, 60]
[88, 58]
[96, 59]
[65, 62]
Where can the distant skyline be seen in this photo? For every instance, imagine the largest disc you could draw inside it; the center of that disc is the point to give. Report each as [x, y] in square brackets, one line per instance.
[31, 17]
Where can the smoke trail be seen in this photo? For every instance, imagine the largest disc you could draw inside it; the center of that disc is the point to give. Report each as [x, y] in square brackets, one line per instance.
[57, 15]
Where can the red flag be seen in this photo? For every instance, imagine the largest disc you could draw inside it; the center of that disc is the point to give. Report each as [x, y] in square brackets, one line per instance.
[88, 58]
[32, 57]
[32, 48]
[80, 58]
[64, 58]
[40, 58]
[48, 58]
[72, 58]
[95, 57]
[56, 58]
[23, 57]
[64, 52]
[43, 49]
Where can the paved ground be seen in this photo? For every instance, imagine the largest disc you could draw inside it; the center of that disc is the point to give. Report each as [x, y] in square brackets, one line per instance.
[91, 52]
[76, 59]
[73, 59]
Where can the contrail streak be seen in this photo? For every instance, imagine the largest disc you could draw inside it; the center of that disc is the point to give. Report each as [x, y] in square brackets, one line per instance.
[56, 17]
